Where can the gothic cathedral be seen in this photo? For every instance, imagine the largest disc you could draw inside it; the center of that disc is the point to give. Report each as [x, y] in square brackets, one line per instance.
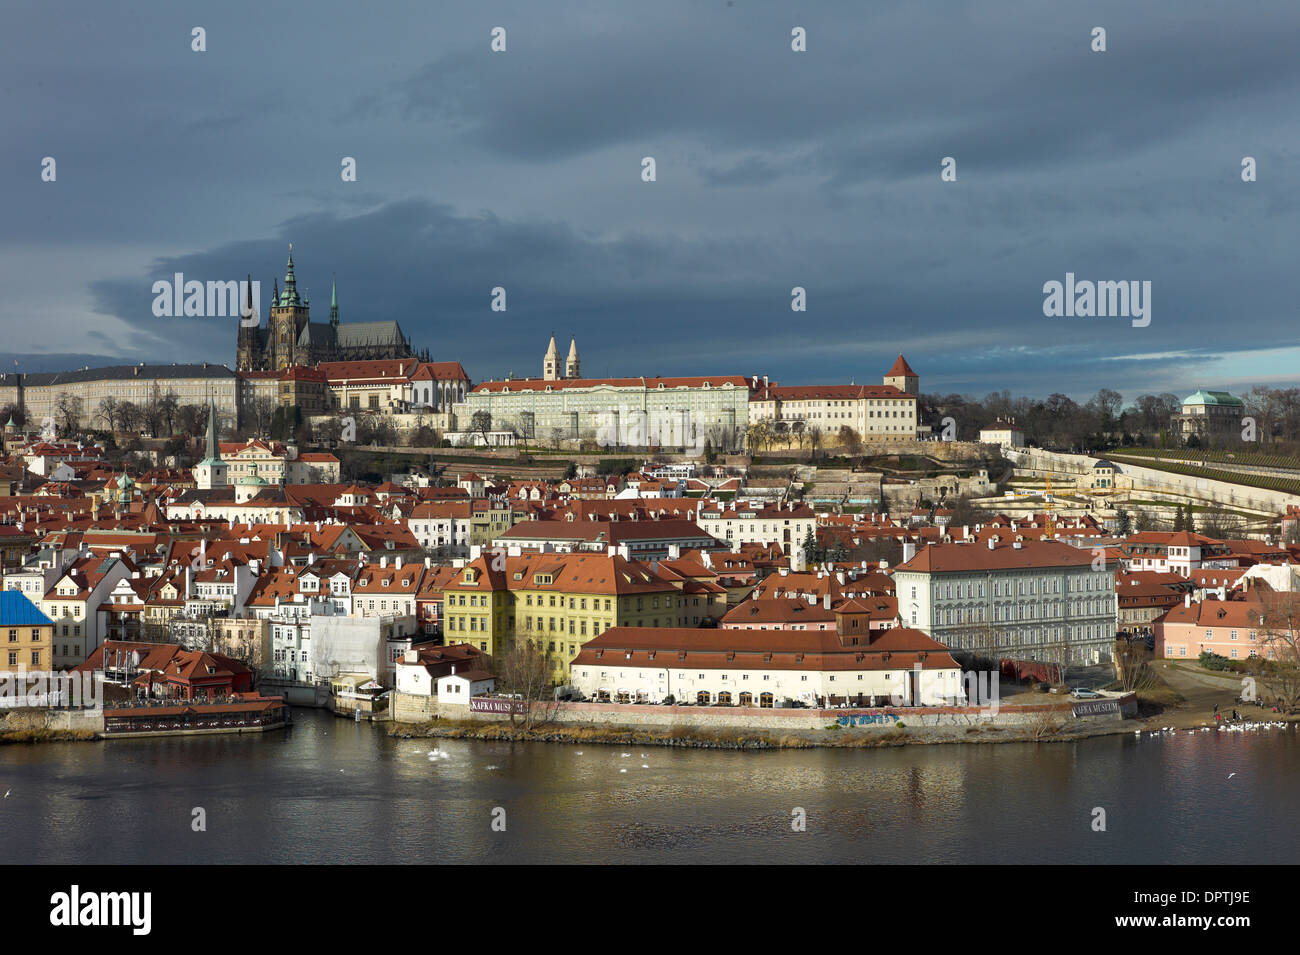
[292, 338]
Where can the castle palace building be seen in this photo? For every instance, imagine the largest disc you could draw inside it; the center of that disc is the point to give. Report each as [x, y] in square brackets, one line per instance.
[292, 338]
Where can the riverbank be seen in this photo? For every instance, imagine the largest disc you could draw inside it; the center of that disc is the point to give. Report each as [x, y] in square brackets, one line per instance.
[741, 739]
[47, 736]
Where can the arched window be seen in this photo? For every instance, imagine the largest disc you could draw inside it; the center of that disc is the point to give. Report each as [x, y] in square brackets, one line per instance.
[702, 698]
[747, 699]
[724, 698]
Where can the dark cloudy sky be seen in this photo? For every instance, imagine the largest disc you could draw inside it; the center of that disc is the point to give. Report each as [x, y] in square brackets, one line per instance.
[775, 169]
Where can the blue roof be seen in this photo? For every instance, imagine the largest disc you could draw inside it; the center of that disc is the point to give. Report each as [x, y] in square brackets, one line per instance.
[17, 611]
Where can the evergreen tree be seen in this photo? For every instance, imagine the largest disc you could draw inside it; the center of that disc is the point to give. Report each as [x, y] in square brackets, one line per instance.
[811, 552]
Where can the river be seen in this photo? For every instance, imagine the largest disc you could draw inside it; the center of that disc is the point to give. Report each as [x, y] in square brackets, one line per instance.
[331, 791]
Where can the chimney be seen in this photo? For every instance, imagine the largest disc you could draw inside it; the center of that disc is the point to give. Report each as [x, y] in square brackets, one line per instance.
[909, 551]
[411, 656]
[992, 543]
[383, 561]
[453, 669]
[826, 600]
[397, 562]
[1187, 600]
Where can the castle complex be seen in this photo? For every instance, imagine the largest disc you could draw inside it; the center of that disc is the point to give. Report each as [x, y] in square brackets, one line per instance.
[292, 338]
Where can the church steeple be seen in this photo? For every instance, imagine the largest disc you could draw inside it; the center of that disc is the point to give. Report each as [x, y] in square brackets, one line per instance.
[551, 363]
[289, 297]
[211, 472]
[334, 303]
[572, 364]
[212, 451]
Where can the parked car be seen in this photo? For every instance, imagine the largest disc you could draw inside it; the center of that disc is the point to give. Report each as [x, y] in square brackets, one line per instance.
[1083, 693]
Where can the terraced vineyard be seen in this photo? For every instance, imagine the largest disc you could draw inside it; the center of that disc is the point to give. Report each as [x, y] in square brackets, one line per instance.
[1257, 459]
[1267, 482]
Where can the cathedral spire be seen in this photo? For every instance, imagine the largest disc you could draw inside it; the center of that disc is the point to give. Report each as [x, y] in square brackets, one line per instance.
[290, 294]
[334, 302]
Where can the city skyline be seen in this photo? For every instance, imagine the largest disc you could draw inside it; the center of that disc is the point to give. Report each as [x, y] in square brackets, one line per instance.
[775, 169]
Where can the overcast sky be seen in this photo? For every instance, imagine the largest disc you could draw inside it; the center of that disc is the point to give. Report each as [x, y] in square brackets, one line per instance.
[775, 169]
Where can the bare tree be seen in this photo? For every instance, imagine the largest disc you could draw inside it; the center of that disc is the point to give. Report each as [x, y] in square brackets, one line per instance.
[1133, 667]
[527, 670]
[258, 411]
[481, 422]
[192, 420]
[128, 414]
[1045, 724]
[168, 407]
[528, 426]
[152, 412]
[815, 436]
[67, 411]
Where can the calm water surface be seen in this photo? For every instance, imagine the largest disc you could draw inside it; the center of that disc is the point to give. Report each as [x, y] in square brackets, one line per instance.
[331, 791]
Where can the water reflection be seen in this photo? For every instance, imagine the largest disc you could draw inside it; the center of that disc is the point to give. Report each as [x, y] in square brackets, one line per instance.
[330, 791]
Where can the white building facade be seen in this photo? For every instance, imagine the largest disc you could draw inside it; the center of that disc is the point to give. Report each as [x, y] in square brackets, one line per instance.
[1026, 600]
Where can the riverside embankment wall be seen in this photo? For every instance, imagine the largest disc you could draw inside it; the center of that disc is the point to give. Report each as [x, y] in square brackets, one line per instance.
[40, 719]
[413, 709]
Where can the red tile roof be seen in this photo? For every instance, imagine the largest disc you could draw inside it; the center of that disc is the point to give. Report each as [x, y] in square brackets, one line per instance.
[900, 367]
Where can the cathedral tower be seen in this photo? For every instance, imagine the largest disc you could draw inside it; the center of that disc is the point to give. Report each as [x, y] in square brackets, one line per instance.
[248, 343]
[289, 316]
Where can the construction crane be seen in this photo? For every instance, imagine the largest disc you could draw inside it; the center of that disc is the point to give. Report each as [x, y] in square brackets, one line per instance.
[1049, 529]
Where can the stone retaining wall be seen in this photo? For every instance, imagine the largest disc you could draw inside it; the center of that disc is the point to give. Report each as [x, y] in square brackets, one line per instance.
[411, 709]
[1135, 478]
[60, 721]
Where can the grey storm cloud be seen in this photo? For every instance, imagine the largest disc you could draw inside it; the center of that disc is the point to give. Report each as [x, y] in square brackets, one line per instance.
[775, 170]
